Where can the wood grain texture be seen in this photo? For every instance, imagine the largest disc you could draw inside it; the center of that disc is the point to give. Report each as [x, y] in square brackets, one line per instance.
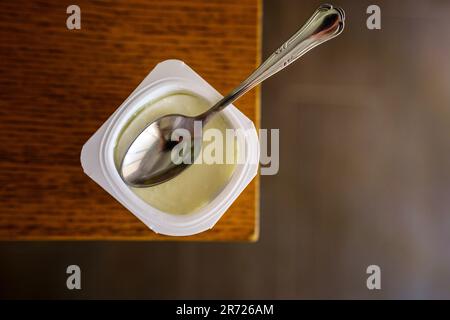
[58, 86]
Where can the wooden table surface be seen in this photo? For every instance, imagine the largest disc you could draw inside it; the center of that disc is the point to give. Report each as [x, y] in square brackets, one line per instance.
[58, 86]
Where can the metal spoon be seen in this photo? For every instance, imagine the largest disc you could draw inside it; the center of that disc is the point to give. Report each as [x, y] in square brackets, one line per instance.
[148, 162]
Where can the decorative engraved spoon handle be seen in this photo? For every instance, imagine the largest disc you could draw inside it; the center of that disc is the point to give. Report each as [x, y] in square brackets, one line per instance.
[326, 23]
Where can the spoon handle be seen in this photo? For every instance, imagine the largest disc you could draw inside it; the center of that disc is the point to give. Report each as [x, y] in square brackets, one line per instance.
[326, 23]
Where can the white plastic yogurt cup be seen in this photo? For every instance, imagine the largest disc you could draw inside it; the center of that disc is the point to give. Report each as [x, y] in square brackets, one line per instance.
[97, 155]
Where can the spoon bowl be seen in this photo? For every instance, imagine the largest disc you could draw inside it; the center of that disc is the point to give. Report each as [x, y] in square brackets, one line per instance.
[141, 168]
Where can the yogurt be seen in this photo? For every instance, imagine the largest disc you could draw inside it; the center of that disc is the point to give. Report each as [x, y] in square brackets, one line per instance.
[195, 200]
[196, 186]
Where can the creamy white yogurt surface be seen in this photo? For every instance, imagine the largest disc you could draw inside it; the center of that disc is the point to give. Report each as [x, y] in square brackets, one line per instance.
[197, 185]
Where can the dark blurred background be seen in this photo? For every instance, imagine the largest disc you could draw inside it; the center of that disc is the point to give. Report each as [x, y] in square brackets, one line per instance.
[364, 179]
